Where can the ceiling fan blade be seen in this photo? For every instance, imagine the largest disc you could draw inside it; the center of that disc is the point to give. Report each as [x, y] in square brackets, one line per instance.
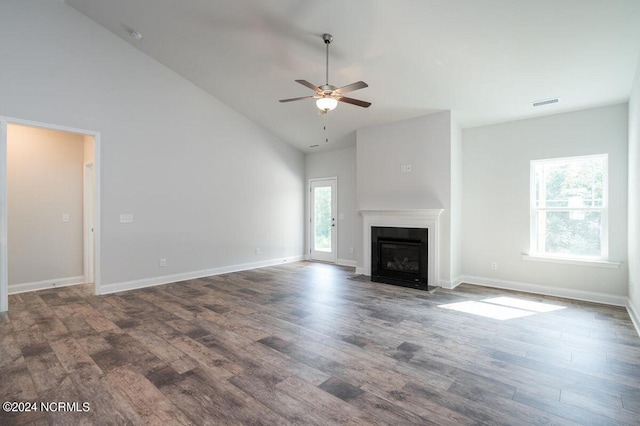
[309, 85]
[352, 101]
[351, 87]
[295, 99]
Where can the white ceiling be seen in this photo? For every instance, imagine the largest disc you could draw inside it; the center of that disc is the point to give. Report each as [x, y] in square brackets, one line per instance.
[486, 60]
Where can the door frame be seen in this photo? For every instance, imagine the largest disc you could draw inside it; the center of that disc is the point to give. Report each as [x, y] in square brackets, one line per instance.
[309, 216]
[88, 227]
[4, 276]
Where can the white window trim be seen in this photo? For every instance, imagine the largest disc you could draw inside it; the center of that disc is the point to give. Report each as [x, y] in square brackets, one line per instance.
[571, 260]
[603, 259]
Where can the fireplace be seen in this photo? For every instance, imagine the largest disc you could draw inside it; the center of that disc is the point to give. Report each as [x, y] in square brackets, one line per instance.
[400, 256]
[427, 219]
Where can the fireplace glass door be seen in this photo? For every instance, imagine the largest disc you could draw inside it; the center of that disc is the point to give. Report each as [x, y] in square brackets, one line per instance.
[400, 257]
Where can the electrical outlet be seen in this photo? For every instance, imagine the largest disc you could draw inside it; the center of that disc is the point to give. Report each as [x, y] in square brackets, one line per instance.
[494, 266]
[403, 168]
[163, 262]
[126, 218]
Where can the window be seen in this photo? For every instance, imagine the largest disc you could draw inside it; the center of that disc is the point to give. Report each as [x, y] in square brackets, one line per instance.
[569, 207]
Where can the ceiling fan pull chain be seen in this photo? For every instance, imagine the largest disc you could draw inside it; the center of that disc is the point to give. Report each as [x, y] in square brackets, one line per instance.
[326, 134]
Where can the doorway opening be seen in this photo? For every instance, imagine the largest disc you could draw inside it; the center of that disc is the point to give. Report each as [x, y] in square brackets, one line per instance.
[49, 207]
[323, 241]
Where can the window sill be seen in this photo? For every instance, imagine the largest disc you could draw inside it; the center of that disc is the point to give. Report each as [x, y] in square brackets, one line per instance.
[571, 261]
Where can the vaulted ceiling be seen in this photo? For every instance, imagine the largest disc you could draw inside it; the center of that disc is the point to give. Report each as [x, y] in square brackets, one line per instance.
[486, 60]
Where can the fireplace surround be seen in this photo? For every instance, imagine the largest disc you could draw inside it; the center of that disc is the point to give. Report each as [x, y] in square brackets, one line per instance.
[414, 218]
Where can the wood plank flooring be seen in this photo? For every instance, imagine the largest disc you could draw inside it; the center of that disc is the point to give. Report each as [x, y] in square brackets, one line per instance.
[306, 344]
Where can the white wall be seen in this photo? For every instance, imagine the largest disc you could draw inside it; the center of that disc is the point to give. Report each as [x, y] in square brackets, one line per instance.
[634, 199]
[206, 186]
[456, 203]
[341, 164]
[44, 181]
[495, 202]
[424, 143]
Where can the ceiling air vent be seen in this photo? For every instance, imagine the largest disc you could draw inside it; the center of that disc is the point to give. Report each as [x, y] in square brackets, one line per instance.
[545, 102]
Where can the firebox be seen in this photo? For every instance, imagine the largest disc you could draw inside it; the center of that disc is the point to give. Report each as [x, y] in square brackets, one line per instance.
[399, 256]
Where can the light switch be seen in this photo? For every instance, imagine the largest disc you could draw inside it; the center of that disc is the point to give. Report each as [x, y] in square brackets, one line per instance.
[66, 218]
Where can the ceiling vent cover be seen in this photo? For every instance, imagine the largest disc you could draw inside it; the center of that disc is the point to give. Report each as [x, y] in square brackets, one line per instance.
[545, 102]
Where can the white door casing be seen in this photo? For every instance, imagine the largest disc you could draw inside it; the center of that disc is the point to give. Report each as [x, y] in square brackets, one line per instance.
[89, 226]
[4, 276]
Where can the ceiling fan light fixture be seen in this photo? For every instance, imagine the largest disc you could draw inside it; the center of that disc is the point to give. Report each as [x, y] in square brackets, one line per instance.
[326, 103]
[327, 96]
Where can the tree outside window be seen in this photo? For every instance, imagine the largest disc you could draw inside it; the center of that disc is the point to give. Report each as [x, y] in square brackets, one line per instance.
[569, 207]
[323, 218]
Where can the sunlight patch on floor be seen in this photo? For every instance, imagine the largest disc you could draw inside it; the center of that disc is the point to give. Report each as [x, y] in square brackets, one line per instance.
[524, 304]
[502, 308]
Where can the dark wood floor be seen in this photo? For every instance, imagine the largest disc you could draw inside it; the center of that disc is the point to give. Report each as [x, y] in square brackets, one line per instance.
[305, 344]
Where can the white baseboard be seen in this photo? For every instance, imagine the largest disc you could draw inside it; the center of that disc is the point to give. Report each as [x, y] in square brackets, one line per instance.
[445, 284]
[167, 279]
[359, 270]
[457, 282]
[450, 284]
[587, 296]
[41, 285]
[634, 313]
[345, 262]
[341, 262]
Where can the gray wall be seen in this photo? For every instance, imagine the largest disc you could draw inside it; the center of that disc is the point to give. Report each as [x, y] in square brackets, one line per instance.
[206, 185]
[341, 164]
[496, 164]
[44, 181]
[634, 198]
[422, 142]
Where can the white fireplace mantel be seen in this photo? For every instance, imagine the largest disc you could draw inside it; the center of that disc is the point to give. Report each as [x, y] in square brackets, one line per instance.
[417, 218]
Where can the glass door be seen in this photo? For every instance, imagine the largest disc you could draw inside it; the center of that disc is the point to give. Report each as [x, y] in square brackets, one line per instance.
[323, 226]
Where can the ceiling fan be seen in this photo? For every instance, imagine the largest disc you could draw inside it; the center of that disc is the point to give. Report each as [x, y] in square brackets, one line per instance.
[328, 96]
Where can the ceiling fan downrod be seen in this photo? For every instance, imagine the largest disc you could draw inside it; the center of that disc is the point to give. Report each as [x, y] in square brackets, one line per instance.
[328, 38]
